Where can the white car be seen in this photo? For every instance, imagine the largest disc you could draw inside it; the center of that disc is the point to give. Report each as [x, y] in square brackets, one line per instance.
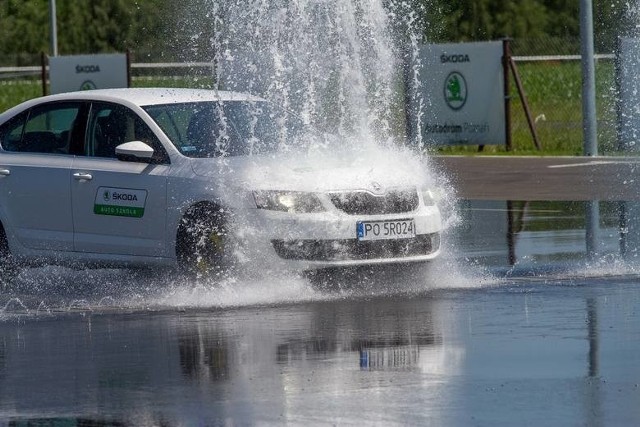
[199, 180]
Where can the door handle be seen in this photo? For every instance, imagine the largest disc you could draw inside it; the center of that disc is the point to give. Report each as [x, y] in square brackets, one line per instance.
[5, 172]
[82, 176]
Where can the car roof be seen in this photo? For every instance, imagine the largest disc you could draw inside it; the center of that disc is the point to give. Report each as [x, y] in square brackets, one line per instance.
[140, 97]
[156, 96]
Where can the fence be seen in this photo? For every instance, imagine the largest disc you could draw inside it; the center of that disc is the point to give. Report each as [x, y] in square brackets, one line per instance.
[552, 84]
[551, 72]
[553, 87]
[18, 84]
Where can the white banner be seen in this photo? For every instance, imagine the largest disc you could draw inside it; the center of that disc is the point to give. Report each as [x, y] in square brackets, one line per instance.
[462, 94]
[628, 60]
[86, 72]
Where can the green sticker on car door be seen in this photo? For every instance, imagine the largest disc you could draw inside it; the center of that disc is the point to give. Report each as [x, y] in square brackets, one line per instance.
[120, 202]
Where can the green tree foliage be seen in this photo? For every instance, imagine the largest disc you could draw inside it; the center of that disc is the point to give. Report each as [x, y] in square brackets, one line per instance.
[169, 30]
[563, 17]
[490, 19]
[613, 19]
[23, 26]
[95, 26]
[194, 28]
[527, 21]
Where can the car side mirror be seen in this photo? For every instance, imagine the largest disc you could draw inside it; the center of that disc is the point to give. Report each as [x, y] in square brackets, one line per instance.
[134, 151]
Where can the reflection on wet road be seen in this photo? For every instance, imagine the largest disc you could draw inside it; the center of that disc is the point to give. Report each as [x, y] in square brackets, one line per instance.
[530, 234]
[517, 325]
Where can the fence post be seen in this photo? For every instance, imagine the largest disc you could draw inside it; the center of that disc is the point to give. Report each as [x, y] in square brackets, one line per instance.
[506, 59]
[525, 103]
[43, 72]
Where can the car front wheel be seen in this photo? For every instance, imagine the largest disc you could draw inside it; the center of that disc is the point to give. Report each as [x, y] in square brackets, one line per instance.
[8, 268]
[202, 245]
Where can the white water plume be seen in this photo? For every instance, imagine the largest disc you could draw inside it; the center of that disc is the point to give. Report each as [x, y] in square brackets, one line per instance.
[330, 61]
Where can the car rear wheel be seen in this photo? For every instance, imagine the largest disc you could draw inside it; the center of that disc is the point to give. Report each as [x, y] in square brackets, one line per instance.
[202, 245]
[8, 268]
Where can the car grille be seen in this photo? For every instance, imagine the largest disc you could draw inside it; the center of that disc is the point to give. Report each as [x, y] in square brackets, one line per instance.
[355, 250]
[366, 203]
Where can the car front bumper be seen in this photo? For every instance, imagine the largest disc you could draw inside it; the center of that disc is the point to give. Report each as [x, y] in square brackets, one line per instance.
[329, 239]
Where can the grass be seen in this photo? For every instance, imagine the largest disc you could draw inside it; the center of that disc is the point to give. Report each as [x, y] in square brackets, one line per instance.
[554, 94]
[553, 90]
[13, 92]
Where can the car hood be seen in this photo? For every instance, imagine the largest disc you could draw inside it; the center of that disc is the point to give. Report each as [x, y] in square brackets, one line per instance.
[317, 171]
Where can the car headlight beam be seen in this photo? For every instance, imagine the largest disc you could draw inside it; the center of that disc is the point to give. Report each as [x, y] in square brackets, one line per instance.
[288, 201]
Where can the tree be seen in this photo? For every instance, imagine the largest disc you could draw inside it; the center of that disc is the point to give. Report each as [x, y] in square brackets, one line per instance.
[525, 18]
[563, 18]
[96, 26]
[24, 26]
[161, 30]
[613, 19]
[490, 19]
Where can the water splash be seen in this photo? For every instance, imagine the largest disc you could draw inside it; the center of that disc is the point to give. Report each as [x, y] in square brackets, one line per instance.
[332, 61]
[14, 304]
[44, 307]
[338, 65]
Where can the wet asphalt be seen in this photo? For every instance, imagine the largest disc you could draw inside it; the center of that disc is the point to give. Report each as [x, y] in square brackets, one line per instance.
[516, 324]
[542, 178]
[562, 352]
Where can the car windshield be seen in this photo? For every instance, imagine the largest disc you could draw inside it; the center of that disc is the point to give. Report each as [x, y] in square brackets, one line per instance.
[224, 128]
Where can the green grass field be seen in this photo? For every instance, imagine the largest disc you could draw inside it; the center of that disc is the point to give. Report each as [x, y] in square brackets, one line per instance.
[14, 92]
[553, 90]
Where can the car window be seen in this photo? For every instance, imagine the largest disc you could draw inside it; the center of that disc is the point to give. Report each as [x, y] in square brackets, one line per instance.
[43, 129]
[110, 125]
[229, 128]
[11, 132]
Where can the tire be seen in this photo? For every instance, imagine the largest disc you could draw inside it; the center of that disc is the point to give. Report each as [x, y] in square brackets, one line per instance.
[202, 242]
[8, 267]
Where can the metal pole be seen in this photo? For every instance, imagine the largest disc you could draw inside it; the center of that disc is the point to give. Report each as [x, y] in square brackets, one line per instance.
[594, 342]
[53, 28]
[589, 121]
[408, 88]
[511, 233]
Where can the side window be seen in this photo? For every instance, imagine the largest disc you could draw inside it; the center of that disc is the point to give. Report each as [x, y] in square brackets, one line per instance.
[110, 125]
[11, 132]
[45, 129]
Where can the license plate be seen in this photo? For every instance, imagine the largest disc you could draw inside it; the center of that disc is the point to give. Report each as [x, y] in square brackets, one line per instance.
[383, 230]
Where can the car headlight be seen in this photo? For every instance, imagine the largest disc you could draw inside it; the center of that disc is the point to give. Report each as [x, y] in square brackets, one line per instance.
[428, 197]
[288, 201]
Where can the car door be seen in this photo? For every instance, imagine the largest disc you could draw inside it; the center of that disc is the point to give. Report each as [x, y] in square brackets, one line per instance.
[35, 167]
[119, 207]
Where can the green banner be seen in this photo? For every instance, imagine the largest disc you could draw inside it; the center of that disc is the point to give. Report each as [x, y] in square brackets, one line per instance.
[118, 211]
